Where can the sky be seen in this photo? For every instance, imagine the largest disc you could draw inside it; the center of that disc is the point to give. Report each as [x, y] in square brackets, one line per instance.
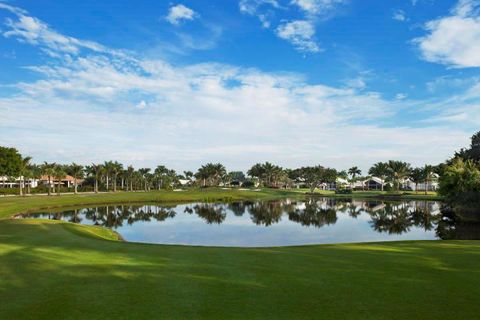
[294, 82]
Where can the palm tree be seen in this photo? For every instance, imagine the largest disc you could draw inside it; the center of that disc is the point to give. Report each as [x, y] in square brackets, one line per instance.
[59, 174]
[24, 167]
[48, 170]
[115, 169]
[257, 171]
[354, 172]
[130, 173]
[107, 171]
[160, 173]
[202, 174]
[428, 175]
[398, 171]
[417, 176]
[76, 171]
[144, 173]
[380, 170]
[95, 170]
[33, 172]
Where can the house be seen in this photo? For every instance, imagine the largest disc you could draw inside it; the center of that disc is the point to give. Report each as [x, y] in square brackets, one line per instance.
[374, 183]
[67, 181]
[430, 186]
[8, 182]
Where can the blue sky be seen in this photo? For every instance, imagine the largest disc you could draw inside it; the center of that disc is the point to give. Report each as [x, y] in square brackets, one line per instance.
[296, 82]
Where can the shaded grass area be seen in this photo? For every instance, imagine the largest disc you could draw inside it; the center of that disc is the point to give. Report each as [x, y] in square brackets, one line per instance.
[56, 270]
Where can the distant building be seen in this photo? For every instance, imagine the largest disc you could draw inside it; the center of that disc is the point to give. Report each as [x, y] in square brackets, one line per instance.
[67, 181]
[8, 182]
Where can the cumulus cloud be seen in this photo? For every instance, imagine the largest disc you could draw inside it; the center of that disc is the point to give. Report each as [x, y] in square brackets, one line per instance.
[316, 7]
[81, 103]
[399, 15]
[300, 33]
[454, 40]
[179, 13]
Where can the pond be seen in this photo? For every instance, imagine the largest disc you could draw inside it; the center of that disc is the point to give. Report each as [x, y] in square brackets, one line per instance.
[267, 223]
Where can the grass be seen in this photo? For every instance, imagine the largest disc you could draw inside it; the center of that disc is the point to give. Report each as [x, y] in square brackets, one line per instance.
[58, 270]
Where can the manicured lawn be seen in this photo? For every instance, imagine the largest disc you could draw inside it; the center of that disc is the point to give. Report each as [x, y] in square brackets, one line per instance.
[56, 270]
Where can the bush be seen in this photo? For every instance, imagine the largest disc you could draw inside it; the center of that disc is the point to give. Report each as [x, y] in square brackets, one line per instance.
[248, 184]
[343, 191]
[8, 191]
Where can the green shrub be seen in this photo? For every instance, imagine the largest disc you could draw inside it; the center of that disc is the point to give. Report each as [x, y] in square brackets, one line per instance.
[343, 191]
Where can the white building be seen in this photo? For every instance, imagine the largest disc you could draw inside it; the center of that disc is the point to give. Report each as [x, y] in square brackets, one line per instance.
[8, 182]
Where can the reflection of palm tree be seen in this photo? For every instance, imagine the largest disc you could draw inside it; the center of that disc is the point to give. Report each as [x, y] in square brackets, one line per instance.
[354, 211]
[75, 218]
[238, 208]
[266, 213]
[211, 213]
[313, 215]
[162, 214]
[422, 217]
[393, 219]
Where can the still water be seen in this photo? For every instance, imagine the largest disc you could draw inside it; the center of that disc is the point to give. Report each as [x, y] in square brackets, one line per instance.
[265, 223]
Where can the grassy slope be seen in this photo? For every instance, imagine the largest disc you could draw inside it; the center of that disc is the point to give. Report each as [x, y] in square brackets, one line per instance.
[59, 270]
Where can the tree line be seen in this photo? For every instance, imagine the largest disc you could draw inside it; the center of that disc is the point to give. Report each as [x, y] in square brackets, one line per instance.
[458, 175]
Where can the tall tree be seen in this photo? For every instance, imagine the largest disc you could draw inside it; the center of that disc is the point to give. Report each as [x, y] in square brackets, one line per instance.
[130, 174]
[48, 169]
[25, 167]
[59, 174]
[115, 168]
[76, 171]
[461, 177]
[95, 171]
[354, 172]
[144, 173]
[161, 173]
[398, 170]
[428, 173]
[417, 176]
[10, 163]
[380, 170]
[107, 170]
[471, 153]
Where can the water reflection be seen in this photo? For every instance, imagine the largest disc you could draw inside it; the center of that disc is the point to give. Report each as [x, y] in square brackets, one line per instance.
[279, 222]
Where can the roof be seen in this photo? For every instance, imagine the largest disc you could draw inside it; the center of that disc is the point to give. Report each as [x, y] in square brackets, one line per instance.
[66, 178]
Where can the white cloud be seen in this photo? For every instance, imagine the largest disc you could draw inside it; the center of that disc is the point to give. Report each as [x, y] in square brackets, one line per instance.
[454, 40]
[178, 13]
[400, 96]
[251, 6]
[316, 7]
[141, 105]
[300, 33]
[399, 15]
[82, 105]
[356, 83]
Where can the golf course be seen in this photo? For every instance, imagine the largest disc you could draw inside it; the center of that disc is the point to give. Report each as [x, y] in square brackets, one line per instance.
[60, 270]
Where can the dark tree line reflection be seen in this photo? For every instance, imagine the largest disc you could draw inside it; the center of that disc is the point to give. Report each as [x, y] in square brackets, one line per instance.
[385, 217]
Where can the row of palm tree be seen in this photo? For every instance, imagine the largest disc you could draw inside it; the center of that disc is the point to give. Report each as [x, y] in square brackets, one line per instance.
[112, 175]
[399, 171]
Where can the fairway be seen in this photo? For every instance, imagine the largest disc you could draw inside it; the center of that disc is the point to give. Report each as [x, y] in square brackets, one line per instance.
[52, 270]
